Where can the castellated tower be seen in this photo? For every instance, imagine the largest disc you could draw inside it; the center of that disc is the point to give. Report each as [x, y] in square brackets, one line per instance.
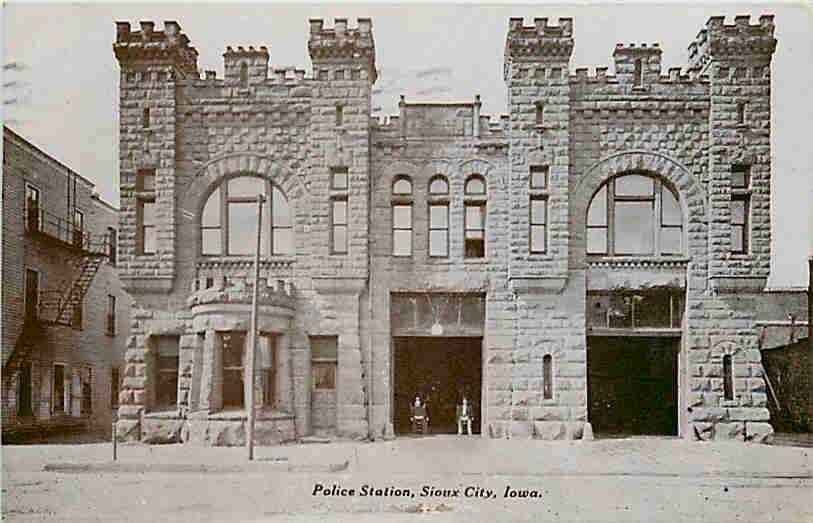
[536, 71]
[344, 71]
[737, 59]
[151, 63]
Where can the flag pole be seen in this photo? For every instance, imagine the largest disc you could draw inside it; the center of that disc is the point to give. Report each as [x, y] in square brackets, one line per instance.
[252, 335]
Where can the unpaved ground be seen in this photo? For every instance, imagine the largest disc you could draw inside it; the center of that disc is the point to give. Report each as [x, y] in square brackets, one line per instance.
[614, 480]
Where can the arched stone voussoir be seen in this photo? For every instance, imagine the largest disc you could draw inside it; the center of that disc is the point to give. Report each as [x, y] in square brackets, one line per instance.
[212, 174]
[691, 194]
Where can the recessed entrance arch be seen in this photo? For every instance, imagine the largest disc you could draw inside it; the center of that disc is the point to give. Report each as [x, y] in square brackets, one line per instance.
[437, 353]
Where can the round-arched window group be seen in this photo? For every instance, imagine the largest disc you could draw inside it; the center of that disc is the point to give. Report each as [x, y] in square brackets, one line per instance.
[635, 215]
[229, 219]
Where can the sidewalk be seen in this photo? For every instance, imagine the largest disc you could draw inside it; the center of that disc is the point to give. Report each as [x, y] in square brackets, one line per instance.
[433, 455]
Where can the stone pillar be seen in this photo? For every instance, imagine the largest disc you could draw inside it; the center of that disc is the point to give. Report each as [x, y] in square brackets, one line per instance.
[211, 379]
[284, 385]
[301, 371]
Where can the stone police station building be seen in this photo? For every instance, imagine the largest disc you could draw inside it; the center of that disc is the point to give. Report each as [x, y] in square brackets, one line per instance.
[595, 261]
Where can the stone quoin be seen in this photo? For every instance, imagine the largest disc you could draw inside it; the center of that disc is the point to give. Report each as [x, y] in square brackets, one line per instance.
[592, 262]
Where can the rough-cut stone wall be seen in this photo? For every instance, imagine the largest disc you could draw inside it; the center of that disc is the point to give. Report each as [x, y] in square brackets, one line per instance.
[87, 348]
[584, 129]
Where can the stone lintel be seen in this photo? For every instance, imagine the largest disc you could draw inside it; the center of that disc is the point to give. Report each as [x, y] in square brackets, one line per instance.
[735, 284]
[538, 285]
[147, 285]
[328, 286]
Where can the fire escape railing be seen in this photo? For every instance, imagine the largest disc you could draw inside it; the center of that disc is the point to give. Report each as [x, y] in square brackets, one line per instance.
[61, 306]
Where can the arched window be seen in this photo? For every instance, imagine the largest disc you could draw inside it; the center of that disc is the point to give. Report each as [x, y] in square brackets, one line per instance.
[402, 216]
[634, 215]
[475, 184]
[438, 185]
[229, 219]
[401, 186]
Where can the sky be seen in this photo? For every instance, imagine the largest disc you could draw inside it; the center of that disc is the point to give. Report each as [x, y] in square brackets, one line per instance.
[66, 90]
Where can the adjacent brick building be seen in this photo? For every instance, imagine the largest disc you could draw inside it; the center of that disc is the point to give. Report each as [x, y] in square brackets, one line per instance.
[64, 313]
[593, 260]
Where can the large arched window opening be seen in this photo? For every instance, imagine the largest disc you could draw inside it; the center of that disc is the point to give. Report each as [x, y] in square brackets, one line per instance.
[635, 215]
[229, 219]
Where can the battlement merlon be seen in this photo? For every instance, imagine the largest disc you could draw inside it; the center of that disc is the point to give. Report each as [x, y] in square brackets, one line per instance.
[149, 45]
[343, 44]
[540, 41]
[255, 62]
[740, 40]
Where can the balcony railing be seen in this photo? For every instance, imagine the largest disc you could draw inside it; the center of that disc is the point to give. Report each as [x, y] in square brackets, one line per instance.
[49, 225]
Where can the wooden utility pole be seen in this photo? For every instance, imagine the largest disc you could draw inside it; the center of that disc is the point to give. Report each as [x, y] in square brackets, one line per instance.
[252, 335]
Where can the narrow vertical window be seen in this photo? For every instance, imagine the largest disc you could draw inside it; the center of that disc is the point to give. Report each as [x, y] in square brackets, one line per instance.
[540, 113]
[547, 377]
[145, 118]
[339, 115]
[728, 378]
[24, 389]
[402, 229]
[111, 315]
[474, 226]
[740, 208]
[639, 72]
[86, 377]
[114, 387]
[112, 245]
[539, 224]
[741, 113]
[402, 216]
[475, 230]
[439, 229]
[32, 208]
[338, 221]
[58, 389]
[244, 75]
[78, 228]
[146, 226]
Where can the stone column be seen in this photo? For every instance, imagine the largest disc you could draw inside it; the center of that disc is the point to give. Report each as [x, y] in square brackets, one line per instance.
[284, 387]
[211, 379]
[301, 371]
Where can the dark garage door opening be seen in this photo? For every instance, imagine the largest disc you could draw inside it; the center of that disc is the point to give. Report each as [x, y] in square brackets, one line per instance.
[441, 370]
[632, 385]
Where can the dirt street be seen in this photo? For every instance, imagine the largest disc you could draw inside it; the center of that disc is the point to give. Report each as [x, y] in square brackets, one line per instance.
[432, 479]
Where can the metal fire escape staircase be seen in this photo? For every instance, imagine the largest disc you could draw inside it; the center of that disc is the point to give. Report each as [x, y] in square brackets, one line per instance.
[85, 253]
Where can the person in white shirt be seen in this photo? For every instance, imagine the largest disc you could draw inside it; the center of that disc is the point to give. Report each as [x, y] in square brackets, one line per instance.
[464, 416]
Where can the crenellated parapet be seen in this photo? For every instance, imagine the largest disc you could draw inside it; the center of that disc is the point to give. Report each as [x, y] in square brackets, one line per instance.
[539, 41]
[740, 40]
[246, 65]
[637, 63]
[170, 45]
[239, 289]
[341, 43]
